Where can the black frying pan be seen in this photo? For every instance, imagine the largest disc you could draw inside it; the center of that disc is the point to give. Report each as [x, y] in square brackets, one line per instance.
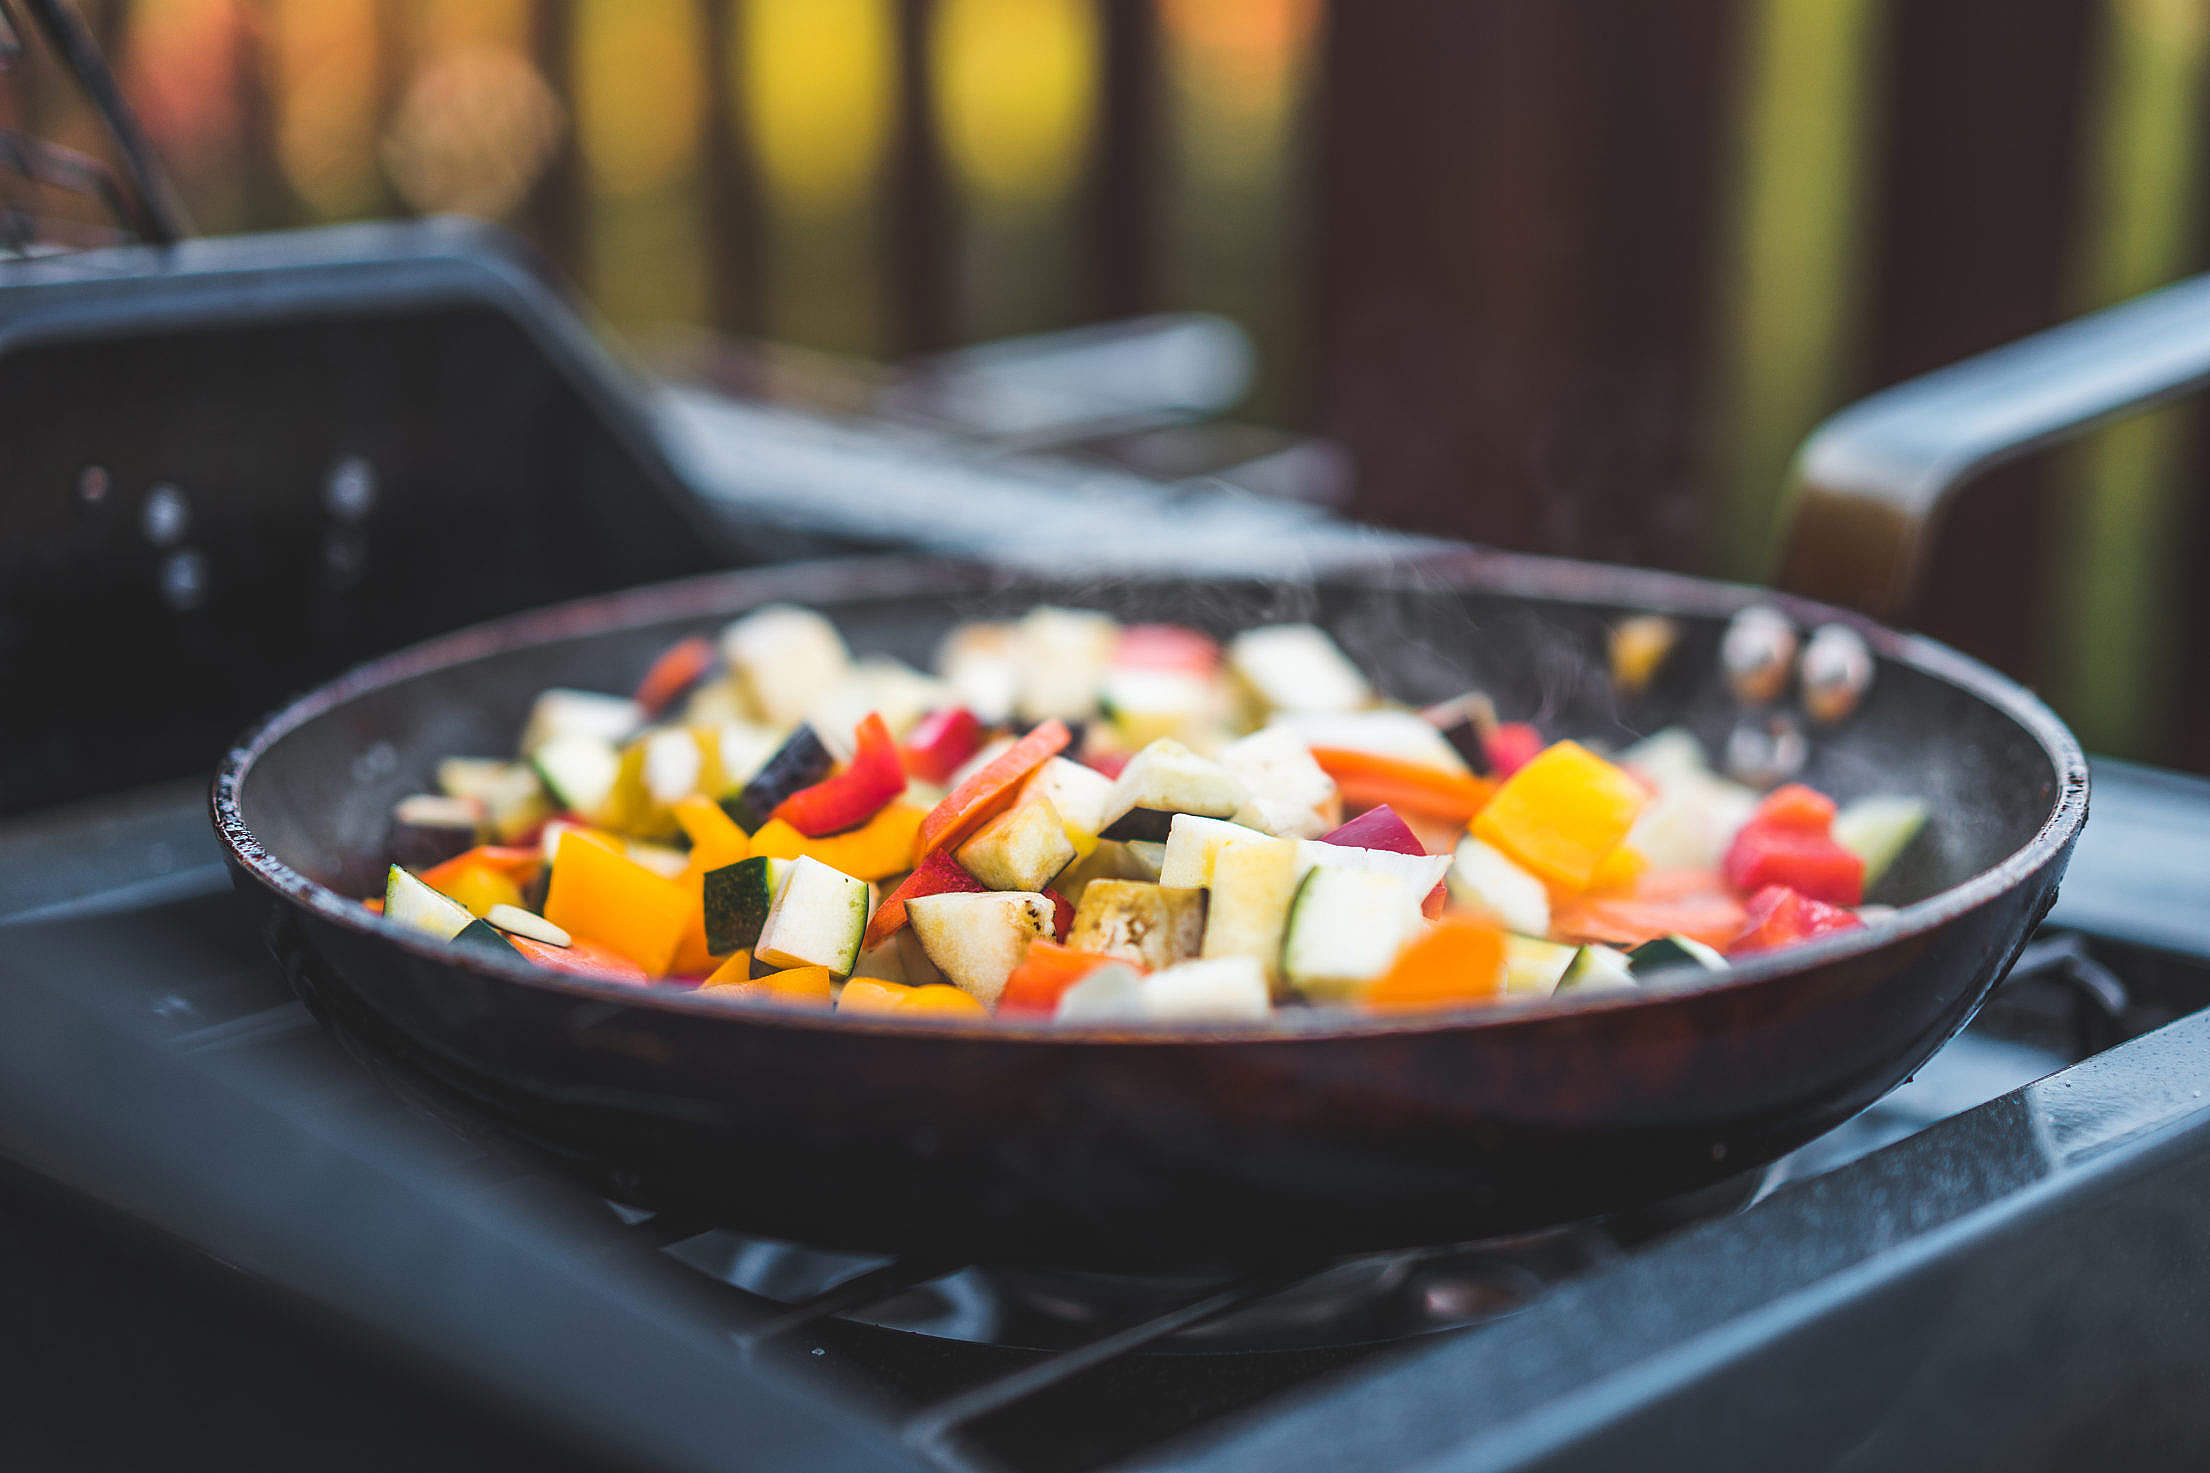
[1326, 1132]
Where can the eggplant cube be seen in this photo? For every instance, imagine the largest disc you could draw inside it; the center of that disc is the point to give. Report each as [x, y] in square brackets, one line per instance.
[1253, 883]
[1192, 843]
[1162, 780]
[1078, 792]
[1023, 848]
[977, 940]
[1150, 925]
[1110, 994]
[1290, 796]
[785, 659]
[1219, 989]
[1296, 667]
[817, 919]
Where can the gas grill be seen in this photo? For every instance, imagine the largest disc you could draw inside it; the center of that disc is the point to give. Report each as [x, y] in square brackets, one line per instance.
[234, 1229]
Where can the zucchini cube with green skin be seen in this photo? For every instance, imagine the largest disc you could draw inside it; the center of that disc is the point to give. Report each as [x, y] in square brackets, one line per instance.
[1877, 830]
[1191, 846]
[1674, 951]
[1253, 883]
[977, 940]
[579, 713]
[483, 936]
[738, 898]
[1023, 848]
[579, 771]
[1345, 929]
[1534, 968]
[1162, 780]
[1486, 883]
[817, 919]
[1596, 969]
[415, 904]
[1150, 925]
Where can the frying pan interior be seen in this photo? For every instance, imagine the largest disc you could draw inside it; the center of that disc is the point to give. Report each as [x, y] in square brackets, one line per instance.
[1332, 1133]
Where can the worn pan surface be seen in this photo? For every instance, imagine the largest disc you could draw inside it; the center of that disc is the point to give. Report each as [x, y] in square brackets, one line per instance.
[1329, 1132]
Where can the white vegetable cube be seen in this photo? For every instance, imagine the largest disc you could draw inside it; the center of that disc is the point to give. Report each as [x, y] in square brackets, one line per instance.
[579, 713]
[1691, 821]
[1420, 873]
[786, 659]
[817, 919]
[1534, 968]
[977, 940]
[1346, 927]
[1253, 884]
[1276, 768]
[1296, 667]
[1061, 657]
[1110, 994]
[878, 684]
[1078, 792]
[1224, 989]
[1143, 923]
[1401, 734]
[673, 765]
[976, 661]
[1192, 843]
[1145, 705]
[1023, 848]
[1162, 780]
[1484, 882]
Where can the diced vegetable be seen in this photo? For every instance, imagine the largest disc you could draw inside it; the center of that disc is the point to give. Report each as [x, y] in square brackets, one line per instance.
[1675, 950]
[608, 898]
[1149, 925]
[1147, 859]
[1779, 916]
[1421, 873]
[878, 685]
[1485, 883]
[1786, 842]
[1191, 846]
[416, 906]
[1465, 722]
[1694, 816]
[807, 987]
[1023, 848]
[430, 828]
[519, 922]
[1877, 830]
[715, 838]
[1253, 883]
[514, 800]
[1060, 656]
[1561, 814]
[976, 660]
[1345, 929]
[977, 940]
[1690, 902]
[799, 763]
[1145, 705]
[737, 900]
[936, 997]
[938, 874]
[1596, 968]
[1162, 780]
[1457, 962]
[942, 741]
[1045, 972]
[1166, 647]
[580, 959]
[869, 782]
[816, 921]
[785, 659]
[991, 790]
[663, 860]
[1296, 667]
[1366, 779]
[876, 850]
[1107, 994]
[1290, 796]
[1511, 745]
[1077, 792]
[1219, 989]
[680, 666]
[872, 995]
[1619, 871]
[610, 720]
[1377, 828]
[578, 770]
[1403, 735]
[1533, 968]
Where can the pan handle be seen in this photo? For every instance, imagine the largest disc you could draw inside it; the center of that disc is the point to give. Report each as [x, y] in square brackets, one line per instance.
[1868, 485]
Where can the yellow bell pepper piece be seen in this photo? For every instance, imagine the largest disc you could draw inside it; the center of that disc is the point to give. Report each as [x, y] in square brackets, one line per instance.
[734, 971]
[939, 998]
[804, 986]
[871, 995]
[876, 850]
[1562, 814]
[618, 903]
[479, 887]
[715, 841]
[1619, 870]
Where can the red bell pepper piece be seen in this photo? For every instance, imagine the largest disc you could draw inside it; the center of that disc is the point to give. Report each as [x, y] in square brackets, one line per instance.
[1062, 915]
[939, 874]
[1166, 647]
[1511, 745]
[989, 792]
[1779, 916]
[1383, 828]
[1109, 763]
[941, 742]
[678, 669]
[1787, 842]
[845, 800]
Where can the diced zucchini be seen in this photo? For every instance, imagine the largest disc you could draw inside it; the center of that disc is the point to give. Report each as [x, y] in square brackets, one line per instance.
[482, 935]
[1252, 885]
[800, 762]
[519, 922]
[1220, 989]
[1191, 845]
[1023, 848]
[1147, 924]
[977, 940]
[578, 771]
[672, 765]
[1145, 705]
[1878, 830]
[1596, 969]
[1109, 994]
[415, 905]
[580, 713]
[785, 659]
[817, 919]
[738, 899]
[1078, 792]
[1345, 929]
[1162, 780]
[1485, 882]
[514, 800]
[1419, 873]
[1534, 968]
[1060, 657]
[1388, 733]
[1674, 951]
[1296, 667]
[430, 828]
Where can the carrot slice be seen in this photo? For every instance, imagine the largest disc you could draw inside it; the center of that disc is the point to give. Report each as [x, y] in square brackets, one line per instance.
[583, 958]
[517, 864]
[674, 672]
[1459, 960]
[981, 797]
[1368, 779]
[1046, 971]
[1691, 903]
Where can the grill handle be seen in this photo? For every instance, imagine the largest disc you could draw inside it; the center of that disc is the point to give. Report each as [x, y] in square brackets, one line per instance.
[1865, 494]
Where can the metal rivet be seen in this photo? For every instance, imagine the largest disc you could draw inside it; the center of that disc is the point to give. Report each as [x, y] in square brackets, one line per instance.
[1835, 671]
[349, 491]
[184, 579]
[1756, 652]
[166, 516]
[1765, 752]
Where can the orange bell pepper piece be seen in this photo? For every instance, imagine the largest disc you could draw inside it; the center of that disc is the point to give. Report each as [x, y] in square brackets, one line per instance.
[1458, 961]
[872, 995]
[610, 899]
[979, 799]
[518, 864]
[876, 850]
[801, 986]
[943, 999]
[1368, 780]
[1562, 814]
[1045, 972]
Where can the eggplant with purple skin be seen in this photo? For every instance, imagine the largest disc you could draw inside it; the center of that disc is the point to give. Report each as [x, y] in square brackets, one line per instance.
[800, 762]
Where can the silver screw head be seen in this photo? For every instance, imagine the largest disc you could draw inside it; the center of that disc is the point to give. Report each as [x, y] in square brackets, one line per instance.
[1836, 671]
[1756, 653]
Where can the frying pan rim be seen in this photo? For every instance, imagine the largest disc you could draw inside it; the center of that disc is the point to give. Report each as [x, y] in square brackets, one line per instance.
[1488, 570]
